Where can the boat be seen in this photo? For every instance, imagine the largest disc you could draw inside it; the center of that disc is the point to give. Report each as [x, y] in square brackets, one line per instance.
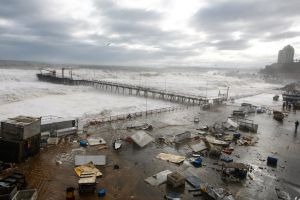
[279, 116]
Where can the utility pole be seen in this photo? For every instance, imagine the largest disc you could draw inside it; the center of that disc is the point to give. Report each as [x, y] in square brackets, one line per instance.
[206, 89]
[227, 92]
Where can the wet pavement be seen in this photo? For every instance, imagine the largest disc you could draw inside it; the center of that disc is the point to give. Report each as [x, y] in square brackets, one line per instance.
[136, 164]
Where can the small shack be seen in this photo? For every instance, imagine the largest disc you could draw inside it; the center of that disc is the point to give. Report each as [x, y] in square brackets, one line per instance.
[20, 139]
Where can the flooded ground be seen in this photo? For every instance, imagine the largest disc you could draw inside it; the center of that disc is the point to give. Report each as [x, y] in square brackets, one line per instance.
[136, 164]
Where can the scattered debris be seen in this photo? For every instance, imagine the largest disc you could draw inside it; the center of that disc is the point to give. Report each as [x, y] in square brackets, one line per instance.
[226, 158]
[26, 194]
[101, 192]
[87, 184]
[214, 141]
[194, 181]
[277, 115]
[144, 126]
[96, 141]
[201, 146]
[197, 162]
[282, 194]
[276, 97]
[83, 143]
[238, 113]
[117, 144]
[52, 140]
[235, 170]
[230, 125]
[173, 196]
[159, 178]
[141, 138]
[182, 136]
[89, 168]
[175, 179]
[85, 159]
[272, 161]
[171, 157]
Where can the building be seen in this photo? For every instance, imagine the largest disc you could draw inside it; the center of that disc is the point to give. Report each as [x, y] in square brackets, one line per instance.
[20, 138]
[286, 55]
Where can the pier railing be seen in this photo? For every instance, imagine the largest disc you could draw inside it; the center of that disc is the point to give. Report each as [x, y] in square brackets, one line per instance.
[123, 88]
[132, 115]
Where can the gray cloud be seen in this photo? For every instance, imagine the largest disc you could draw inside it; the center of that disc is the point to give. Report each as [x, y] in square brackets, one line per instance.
[252, 18]
[38, 35]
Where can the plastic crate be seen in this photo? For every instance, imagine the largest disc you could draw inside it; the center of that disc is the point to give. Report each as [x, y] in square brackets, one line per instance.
[26, 195]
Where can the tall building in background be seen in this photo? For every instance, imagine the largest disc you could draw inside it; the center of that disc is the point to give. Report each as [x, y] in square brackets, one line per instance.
[286, 55]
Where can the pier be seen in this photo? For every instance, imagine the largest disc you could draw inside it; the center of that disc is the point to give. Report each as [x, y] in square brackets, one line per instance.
[134, 90]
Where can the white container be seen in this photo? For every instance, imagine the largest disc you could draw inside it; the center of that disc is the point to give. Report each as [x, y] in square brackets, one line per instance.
[26, 195]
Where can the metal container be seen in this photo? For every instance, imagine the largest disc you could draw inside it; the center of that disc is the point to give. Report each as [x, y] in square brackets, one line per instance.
[26, 194]
[18, 150]
[20, 128]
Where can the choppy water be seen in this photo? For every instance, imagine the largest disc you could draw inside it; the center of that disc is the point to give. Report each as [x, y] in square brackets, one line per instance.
[22, 94]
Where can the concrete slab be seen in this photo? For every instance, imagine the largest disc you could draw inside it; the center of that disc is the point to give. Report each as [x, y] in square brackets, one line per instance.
[159, 178]
[141, 138]
[201, 146]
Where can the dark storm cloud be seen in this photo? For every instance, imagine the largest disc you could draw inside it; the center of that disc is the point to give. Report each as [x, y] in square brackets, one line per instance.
[37, 35]
[252, 18]
[129, 34]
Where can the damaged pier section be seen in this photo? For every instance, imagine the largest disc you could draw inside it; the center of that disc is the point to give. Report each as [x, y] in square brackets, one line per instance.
[135, 90]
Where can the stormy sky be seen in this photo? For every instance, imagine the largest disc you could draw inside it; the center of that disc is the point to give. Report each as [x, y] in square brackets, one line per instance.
[231, 33]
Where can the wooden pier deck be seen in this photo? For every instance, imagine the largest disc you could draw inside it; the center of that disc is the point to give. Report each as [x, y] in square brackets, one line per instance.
[134, 90]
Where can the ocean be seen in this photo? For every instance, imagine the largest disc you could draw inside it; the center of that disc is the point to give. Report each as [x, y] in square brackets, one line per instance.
[22, 94]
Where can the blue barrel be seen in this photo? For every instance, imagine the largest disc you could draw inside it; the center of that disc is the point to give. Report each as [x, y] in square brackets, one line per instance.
[272, 161]
[101, 193]
[83, 143]
[197, 162]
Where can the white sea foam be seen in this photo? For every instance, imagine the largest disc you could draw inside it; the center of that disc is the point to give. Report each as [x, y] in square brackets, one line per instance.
[22, 94]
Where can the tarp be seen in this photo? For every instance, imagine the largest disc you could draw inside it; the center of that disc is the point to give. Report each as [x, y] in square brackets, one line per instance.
[170, 157]
[141, 138]
[159, 178]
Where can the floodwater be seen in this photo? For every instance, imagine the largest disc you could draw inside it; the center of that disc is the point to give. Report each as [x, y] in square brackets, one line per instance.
[136, 164]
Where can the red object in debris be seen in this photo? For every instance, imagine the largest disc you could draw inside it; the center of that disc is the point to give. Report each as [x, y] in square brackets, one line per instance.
[227, 151]
[129, 140]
